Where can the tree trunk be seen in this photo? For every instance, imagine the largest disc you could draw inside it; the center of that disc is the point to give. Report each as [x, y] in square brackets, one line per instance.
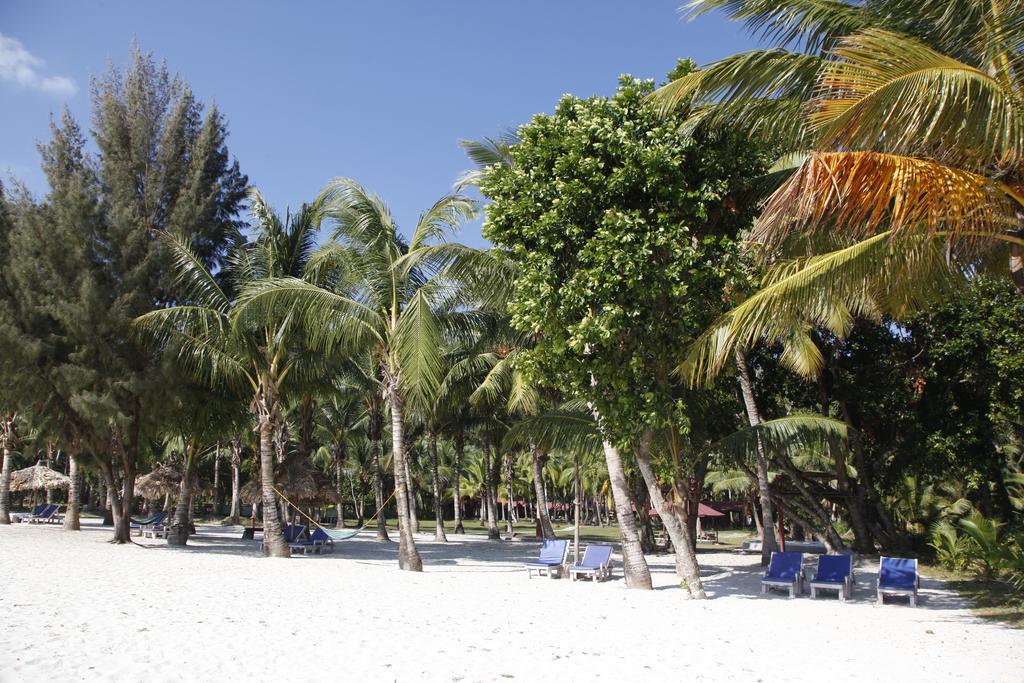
[49, 463]
[71, 514]
[216, 480]
[414, 517]
[858, 521]
[811, 506]
[576, 509]
[456, 483]
[634, 565]
[756, 516]
[678, 530]
[234, 516]
[340, 505]
[768, 542]
[490, 493]
[378, 490]
[438, 498]
[538, 462]
[408, 556]
[6, 442]
[274, 544]
[509, 497]
[177, 533]
[5, 485]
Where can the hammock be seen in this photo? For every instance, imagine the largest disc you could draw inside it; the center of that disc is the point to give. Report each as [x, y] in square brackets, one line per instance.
[155, 518]
[341, 535]
[335, 534]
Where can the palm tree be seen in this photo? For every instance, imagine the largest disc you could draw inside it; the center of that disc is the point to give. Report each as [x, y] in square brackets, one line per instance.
[901, 127]
[263, 355]
[8, 437]
[393, 311]
[340, 422]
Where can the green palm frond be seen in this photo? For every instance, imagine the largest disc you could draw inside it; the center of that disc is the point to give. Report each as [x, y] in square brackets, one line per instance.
[892, 93]
[419, 345]
[361, 218]
[757, 75]
[333, 320]
[811, 23]
[193, 277]
[876, 275]
[485, 153]
[441, 219]
[566, 431]
[783, 434]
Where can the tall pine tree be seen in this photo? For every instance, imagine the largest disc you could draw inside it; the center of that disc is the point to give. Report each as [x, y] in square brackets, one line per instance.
[86, 260]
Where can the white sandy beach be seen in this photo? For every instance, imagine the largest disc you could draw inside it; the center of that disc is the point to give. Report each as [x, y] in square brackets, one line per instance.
[77, 608]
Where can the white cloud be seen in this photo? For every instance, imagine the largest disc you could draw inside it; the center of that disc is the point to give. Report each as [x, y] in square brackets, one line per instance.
[19, 66]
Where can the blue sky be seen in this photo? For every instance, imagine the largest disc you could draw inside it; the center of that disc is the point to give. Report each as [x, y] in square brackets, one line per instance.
[379, 91]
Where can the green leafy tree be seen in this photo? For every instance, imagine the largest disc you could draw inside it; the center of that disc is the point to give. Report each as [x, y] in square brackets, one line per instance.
[622, 229]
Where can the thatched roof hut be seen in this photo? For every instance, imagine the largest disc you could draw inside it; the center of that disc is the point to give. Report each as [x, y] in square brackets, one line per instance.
[39, 477]
[164, 480]
[296, 479]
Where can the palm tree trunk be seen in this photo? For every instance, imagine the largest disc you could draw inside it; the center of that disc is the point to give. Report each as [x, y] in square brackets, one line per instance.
[438, 500]
[5, 485]
[408, 555]
[216, 480]
[378, 490]
[340, 505]
[490, 493]
[274, 544]
[576, 509]
[634, 565]
[234, 516]
[509, 497]
[547, 531]
[177, 534]
[6, 441]
[456, 483]
[414, 518]
[768, 542]
[49, 463]
[72, 513]
[678, 529]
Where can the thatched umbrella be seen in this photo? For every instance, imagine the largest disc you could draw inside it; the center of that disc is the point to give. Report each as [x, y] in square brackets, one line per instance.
[39, 477]
[299, 481]
[163, 481]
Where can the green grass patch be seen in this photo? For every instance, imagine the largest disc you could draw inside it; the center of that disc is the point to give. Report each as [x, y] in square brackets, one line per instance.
[990, 600]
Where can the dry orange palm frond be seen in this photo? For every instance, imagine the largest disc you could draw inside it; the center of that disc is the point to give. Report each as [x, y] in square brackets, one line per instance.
[852, 195]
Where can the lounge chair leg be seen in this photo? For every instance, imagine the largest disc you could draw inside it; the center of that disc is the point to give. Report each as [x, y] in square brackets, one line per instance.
[881, 599]
[913, 601]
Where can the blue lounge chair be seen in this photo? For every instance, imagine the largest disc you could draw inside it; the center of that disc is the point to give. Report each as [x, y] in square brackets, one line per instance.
[45, 516]
[785, 571]
[317, 542]
[320, 539]
[25, 516]
[597, 563]
[835, 572]
[551, 560]
[898, 576]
